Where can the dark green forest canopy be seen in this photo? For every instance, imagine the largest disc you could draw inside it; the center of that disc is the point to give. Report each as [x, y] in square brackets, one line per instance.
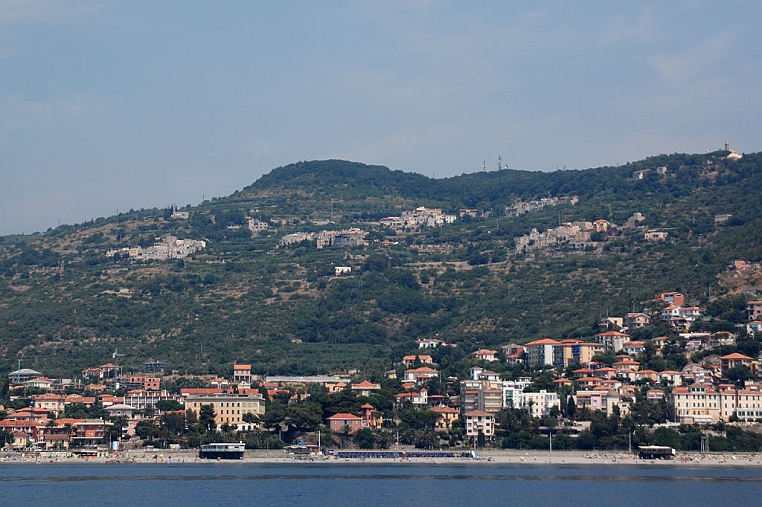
[65, 305]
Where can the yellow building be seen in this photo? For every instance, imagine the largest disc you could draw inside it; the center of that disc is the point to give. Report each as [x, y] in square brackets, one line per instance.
[228, 408]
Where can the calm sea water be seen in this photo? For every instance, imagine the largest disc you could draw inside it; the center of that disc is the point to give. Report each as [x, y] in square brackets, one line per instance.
[366, 485]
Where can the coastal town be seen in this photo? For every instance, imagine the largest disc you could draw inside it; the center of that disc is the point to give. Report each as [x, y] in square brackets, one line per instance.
[558, 387]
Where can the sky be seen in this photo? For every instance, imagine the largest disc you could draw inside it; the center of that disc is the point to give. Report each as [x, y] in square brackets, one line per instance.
[107, 106]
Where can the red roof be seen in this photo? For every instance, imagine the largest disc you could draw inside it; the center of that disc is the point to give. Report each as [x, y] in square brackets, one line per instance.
[476, 413]
[736, 355]
[544, 341]
[344, 415]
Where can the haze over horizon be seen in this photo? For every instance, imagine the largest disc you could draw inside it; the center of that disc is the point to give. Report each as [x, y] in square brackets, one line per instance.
[113, 105]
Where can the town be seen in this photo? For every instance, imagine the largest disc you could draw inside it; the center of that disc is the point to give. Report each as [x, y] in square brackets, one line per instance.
[660, 389]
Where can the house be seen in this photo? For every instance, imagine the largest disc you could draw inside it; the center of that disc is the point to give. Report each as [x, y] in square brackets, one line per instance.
[55, 403]
[373, 418]
[420, 374]
[365, 388]
[419, 399]
[735, 360]
[613, 341]
[346, 423]
[119, 409]
[432, 343]
[636, 320]
[605, 373]
[342, 270]
[242, 373]
[143, 382]
[447, 415]
[477, 421]
[626, 365]
[671, 298]
[485, 355]
[753, 310]
[670, 377]
[421, 358]
[754, 327]
[633, 348]
[655, 235]
[42, 383]
[513, 353]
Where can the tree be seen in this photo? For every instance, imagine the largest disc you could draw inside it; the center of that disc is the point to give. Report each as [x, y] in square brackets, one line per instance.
[120, 422]
[168, 405]
[173, 422]
[739, 374]
[365, 439]
[206, 418]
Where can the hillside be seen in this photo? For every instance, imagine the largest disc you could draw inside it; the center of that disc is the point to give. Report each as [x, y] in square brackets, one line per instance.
[245, 297]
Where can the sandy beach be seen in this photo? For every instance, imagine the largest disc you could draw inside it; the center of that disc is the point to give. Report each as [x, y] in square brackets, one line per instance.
[497, 456]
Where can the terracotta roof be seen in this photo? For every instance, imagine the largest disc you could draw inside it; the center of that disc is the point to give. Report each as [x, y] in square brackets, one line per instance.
[344, 415]
[544, 341]
[736, 355]
[476, 413]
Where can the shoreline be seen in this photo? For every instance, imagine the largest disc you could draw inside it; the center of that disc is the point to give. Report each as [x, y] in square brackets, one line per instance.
[489, 456]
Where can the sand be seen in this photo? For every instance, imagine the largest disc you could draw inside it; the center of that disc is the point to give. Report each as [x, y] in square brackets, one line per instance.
[718, 459]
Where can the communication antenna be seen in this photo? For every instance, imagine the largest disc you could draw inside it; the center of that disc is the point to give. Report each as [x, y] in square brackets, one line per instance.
[484, 165]
[499, 163]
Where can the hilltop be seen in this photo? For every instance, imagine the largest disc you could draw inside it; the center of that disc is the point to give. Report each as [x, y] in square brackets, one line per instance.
[505, 270]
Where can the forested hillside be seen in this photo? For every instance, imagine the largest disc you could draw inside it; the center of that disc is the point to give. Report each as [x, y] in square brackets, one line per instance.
[65, 304]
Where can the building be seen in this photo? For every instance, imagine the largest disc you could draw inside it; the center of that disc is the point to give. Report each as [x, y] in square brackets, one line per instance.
[569, 352]
[636, 320]
[540, 352]
[696, 404]
[230, 409]
[477, 421]
[421, 374]
[141, 399]
[753, 310]
[242, 373]
[613, 341]
[90, 432]
[23, 375]
[485, 355]
[346, 423]
[671, 298]
[735, 360]
[448, 415]
[366, 388]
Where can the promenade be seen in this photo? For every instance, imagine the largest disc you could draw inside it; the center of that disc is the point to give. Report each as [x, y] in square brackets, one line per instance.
[496, 456]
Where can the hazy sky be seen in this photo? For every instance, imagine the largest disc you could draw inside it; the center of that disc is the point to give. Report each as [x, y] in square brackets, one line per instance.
[112, 105]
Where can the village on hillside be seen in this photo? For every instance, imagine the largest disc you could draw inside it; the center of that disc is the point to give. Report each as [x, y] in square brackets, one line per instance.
[565, 382]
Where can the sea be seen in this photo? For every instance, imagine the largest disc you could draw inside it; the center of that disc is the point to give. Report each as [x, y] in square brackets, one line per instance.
[358, 484]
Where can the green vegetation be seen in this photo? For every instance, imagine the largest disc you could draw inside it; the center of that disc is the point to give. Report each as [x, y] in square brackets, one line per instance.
[66, 305]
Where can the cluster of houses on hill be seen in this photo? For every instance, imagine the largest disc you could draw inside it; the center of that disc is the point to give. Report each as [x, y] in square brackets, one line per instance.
[167, 247]
[419, 217]
[344, 237]
[521, 208]
[576, 234]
